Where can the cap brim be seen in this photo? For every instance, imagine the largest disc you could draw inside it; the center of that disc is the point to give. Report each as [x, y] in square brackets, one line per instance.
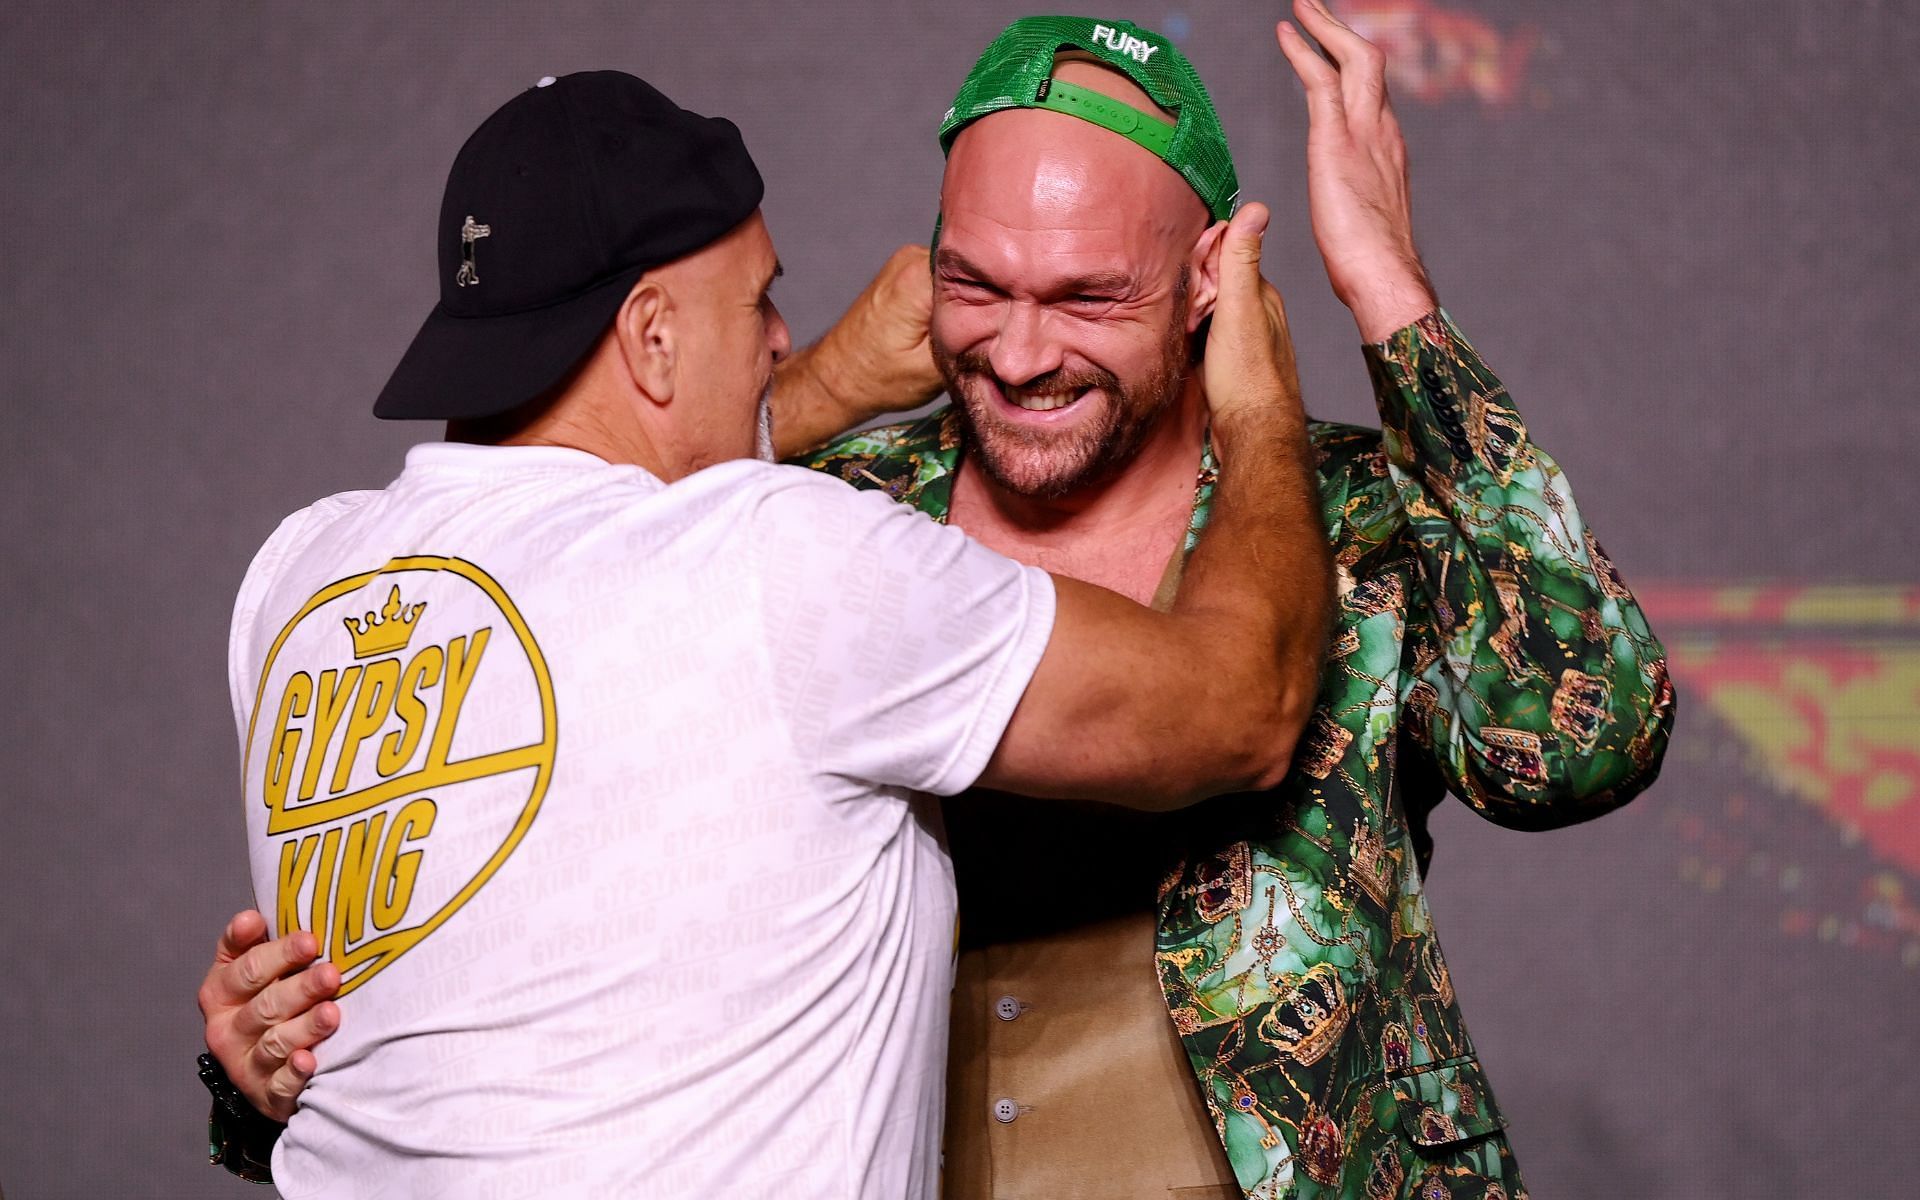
[461, 368]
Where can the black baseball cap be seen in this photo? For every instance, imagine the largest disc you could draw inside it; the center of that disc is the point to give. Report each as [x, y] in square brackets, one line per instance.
[555, 206]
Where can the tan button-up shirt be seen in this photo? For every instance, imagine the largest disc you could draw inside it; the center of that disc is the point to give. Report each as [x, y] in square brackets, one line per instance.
[1066, 1077]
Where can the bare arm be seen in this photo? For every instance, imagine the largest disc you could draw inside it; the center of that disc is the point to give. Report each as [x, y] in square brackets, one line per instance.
[1160, 710]
[875, 359]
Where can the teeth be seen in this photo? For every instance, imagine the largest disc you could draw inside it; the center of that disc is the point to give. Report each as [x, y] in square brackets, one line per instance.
[1042, 401]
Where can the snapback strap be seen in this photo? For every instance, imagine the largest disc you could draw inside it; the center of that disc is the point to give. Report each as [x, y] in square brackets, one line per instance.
[1124, 119]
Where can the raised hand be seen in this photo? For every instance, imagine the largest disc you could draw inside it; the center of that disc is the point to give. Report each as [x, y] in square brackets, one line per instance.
[1357, 175]
[886, 330]
[266, 1005]
[876, 359]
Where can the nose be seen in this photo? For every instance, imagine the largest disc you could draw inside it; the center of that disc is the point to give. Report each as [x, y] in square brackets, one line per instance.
[779, 337]
[1022, 350]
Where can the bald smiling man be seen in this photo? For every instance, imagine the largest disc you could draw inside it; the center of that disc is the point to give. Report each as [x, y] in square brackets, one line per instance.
[1247, 998]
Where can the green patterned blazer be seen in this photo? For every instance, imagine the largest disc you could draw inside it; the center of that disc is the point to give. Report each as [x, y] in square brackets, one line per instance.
[1484, 646]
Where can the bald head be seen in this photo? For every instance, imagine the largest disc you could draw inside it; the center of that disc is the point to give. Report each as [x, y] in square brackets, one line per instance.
[1042, 166]
[1073, 266]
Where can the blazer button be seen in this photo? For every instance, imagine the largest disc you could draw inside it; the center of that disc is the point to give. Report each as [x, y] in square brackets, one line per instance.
[1005, 1110]
[1008, 1008]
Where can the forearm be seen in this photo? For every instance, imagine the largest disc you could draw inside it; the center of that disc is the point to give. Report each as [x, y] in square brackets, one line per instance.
[1256, 597]
[1396, 294]
[1264, 569]
[876, 359]
[807, 409]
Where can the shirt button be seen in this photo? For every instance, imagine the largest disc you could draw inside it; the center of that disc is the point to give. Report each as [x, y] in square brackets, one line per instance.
[1008, 1008]
[1005, 1110]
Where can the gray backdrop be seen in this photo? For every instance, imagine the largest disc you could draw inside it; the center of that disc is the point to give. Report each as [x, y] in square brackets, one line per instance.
[1683, 234]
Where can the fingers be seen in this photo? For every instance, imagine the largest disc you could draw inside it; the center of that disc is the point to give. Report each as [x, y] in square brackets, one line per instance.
[280, 1043]
[1347, 48]
[910, 272]
[285, 1000]
[234, 982]
[1281, 333]
[1362, 65]
[280, 1063]
[1276, 308]
[900, 297]
[281, 1096]
[245, 931]
[1325, 104]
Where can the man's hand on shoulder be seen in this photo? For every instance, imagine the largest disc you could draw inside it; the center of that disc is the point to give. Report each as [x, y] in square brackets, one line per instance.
[266, 1005]
[1357, 175]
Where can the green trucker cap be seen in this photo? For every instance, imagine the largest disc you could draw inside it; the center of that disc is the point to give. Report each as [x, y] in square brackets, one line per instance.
[1016, 71]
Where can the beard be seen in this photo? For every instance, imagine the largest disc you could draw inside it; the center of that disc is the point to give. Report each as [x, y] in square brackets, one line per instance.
[763, 427]
[1049, 464]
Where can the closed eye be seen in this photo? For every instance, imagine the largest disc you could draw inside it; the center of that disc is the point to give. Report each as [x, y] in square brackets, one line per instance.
[972, 285]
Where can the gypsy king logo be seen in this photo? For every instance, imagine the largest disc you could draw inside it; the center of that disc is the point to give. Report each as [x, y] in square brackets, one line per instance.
[399, 755]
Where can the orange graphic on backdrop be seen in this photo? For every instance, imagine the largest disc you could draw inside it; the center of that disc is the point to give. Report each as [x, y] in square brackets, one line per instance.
[1436, 53]
[1837, 725]
[1820, 684]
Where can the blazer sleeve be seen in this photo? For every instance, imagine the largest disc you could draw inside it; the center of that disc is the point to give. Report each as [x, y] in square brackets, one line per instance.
[1537, 687]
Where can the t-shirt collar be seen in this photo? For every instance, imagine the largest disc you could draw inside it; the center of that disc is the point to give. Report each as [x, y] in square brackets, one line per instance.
[465, 456]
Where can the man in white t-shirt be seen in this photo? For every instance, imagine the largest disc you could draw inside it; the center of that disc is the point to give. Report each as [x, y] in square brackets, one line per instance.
[593, 752]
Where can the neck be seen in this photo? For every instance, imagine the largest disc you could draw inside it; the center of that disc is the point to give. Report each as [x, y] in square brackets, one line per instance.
[575, 418]
[1159, 478]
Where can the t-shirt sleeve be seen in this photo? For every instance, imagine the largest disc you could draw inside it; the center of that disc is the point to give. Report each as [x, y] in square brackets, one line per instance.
[899, 647]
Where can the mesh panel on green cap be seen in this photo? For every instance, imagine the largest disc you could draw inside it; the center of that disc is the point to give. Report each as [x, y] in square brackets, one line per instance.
[1012, 71]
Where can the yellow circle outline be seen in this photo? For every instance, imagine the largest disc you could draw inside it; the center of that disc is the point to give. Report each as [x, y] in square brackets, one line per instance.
[377, 953]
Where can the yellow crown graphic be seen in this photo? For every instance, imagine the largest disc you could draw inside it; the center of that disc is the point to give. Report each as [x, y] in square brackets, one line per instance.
[388, 632]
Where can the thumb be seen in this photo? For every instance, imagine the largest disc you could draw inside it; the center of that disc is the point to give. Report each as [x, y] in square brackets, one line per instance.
[1240, 258]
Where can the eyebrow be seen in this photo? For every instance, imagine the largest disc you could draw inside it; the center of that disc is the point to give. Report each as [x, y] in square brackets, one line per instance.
[949, 261]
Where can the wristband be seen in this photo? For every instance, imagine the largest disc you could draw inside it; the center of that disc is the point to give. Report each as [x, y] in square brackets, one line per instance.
[239, 1137]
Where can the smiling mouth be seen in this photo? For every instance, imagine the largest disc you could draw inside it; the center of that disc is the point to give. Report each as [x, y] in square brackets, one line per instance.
[1047, 401]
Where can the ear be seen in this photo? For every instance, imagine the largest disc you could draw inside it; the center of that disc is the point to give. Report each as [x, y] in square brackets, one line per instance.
[649, 341]
[1203, 274]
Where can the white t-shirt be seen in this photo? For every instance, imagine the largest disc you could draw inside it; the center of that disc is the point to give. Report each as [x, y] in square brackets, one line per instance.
[614, 826]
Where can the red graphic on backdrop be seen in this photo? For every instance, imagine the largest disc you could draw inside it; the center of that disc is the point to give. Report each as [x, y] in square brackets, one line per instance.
[1436, 53]
[1812, 695]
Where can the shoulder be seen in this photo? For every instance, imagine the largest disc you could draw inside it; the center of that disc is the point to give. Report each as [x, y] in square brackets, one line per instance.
[1343, 451]
[277, 567]
[798, 507]
[908, 460]
[1357, 497]
[299, 530]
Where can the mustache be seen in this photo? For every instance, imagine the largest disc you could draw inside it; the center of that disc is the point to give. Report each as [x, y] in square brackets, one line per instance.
[1061, 379]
